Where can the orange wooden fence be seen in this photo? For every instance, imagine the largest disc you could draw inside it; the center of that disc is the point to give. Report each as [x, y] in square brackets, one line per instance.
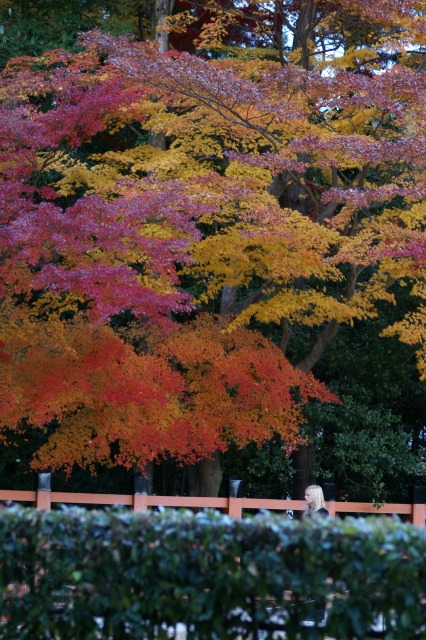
[43, 499]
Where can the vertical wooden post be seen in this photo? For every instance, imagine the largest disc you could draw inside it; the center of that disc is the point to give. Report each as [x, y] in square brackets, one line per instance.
[418, 500]
[43, 493]
[140, 502]
[235, 505]
[235, 508]
[331, 508]
[418, 516]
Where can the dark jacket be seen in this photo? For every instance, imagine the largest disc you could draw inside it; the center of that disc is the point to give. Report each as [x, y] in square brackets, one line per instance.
[321, 512]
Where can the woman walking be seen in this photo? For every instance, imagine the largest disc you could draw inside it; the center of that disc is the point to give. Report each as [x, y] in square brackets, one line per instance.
[314, 498]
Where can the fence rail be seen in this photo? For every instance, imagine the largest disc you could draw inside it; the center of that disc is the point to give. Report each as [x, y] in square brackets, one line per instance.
[235, 506]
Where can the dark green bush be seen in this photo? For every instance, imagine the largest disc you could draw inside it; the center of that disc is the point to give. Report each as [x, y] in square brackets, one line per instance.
[122, 575]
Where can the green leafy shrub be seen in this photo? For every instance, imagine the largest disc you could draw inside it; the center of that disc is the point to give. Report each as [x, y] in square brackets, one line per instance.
[118, 574]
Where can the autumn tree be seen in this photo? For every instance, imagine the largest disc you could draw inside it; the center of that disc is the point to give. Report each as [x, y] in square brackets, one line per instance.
[93, 249]
[67, 270]
[326, 156]
[93, 386]
[240, 389]
[288, 194]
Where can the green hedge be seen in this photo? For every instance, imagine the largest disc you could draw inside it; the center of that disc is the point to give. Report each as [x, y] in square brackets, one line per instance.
[115, 574]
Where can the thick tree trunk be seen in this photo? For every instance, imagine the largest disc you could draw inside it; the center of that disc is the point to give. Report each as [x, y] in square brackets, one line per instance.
[154, 17]
[278, 31]
[163, 9]
[290, 189]
[157, 140]
[205, 477]
[278, 185]
[227, 302]
[304, 32]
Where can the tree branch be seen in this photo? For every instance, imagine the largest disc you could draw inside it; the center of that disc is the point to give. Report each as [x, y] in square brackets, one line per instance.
[333, 326]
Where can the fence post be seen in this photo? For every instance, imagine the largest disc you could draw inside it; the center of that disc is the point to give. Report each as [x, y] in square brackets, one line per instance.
[235, 505]
[329, 489]
[418, 501]
[43, 493]
[140, 494]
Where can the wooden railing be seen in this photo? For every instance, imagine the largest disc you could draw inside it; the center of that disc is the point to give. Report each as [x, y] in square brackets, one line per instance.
[234, 506]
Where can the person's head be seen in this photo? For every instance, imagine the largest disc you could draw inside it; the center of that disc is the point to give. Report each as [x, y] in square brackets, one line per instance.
[314, 497]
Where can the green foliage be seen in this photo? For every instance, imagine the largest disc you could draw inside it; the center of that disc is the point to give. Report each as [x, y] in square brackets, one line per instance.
[372, 443]
[366, 450]
[266, 471]
[140, 573]
[30, 27]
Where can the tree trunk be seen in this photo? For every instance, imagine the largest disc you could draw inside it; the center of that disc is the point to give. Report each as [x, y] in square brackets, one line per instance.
[163, 9]
[157, 139]
[278, 185]
[304, 32]
[144, 13]
[326, 336]
[205, 477]
[227, 302]
[278, 31]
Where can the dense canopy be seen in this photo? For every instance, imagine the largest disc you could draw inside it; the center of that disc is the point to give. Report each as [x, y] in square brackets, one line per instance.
[194, 213]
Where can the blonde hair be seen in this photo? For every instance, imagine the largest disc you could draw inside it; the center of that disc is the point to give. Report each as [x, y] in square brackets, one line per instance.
[318, 496]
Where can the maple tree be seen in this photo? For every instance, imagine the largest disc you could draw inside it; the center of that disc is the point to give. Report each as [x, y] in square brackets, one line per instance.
[239, 389]
[89, 280]
[101, 402]
[119, 252]
[288, 190]
[330, 151]
[94, 386]
[66, 270]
